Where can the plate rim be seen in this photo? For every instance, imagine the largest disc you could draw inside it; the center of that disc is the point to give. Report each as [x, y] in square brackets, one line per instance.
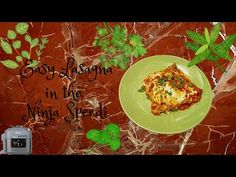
[167, 132]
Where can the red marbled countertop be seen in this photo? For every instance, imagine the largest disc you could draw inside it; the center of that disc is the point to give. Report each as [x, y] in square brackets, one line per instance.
[214, 135]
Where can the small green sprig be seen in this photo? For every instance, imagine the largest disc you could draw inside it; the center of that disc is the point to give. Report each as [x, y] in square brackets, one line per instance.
[141, 89]
[11, 44]
[108, 136]
[206, 48]
[118, 46]
[44, 41]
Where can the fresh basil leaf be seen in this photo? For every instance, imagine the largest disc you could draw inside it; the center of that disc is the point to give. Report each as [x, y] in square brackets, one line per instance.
[9, 64]
[11, 34]
[220, 51]
[21, 28]
[197, 59]
[207, 36]
[6, 47]
[201, 49]
[198, 38]
[215, 32]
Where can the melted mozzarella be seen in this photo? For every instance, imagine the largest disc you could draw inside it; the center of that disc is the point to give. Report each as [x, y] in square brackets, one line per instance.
[166, 96]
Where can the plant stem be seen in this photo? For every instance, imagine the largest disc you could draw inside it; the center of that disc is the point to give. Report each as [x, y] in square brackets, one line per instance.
[131, 60]
[107, 36]
[14, 48]
[91, 149]
[220, 67]
[107, 27]
[30, 53]
[17, 51]
[19, 55]
[105, 24]
[30, 46]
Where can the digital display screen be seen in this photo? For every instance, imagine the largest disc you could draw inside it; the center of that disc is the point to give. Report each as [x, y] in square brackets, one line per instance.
[18, 143]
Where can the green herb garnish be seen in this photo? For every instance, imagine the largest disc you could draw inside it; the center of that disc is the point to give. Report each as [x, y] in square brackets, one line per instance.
[190, 85]
[173, 110]
[205, 47]
[181, 82]
[44, 41]
[118, 46]
[170, 77]
[161, 80]
[168, 92]
[109, 136]
[11, 45]
[141, 89]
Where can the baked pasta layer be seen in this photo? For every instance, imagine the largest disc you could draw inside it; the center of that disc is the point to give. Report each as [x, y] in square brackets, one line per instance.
[170, 90]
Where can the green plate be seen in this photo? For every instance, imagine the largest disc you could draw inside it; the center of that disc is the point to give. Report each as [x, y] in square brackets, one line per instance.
[137, 106]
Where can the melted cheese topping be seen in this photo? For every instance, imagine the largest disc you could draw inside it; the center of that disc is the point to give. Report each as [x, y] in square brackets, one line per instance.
[170, 90]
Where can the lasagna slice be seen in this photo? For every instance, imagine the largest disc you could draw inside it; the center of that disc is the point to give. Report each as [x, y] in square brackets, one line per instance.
[170, 90]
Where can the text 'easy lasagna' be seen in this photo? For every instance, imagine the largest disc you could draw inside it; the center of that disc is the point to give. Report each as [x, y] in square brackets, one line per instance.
[170, 90]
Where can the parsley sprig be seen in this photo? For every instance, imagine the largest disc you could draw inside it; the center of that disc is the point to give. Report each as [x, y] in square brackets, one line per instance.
[108, 136]
[118, 46]
[206, 48]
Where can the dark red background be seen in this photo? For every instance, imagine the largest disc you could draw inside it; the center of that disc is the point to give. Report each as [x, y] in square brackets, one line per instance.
[215, 135]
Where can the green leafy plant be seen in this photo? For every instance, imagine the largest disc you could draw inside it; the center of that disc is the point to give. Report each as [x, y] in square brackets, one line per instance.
[109, 136]
[206, 48]
[39, 51]
[11, 45]
[118, 46]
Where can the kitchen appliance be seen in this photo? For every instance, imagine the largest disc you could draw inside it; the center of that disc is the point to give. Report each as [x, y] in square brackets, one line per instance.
[17, 140]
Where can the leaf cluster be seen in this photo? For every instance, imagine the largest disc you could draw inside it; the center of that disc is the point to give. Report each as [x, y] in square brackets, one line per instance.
[108, 136]
[11, 43]
[118, 46]
[206, 48]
